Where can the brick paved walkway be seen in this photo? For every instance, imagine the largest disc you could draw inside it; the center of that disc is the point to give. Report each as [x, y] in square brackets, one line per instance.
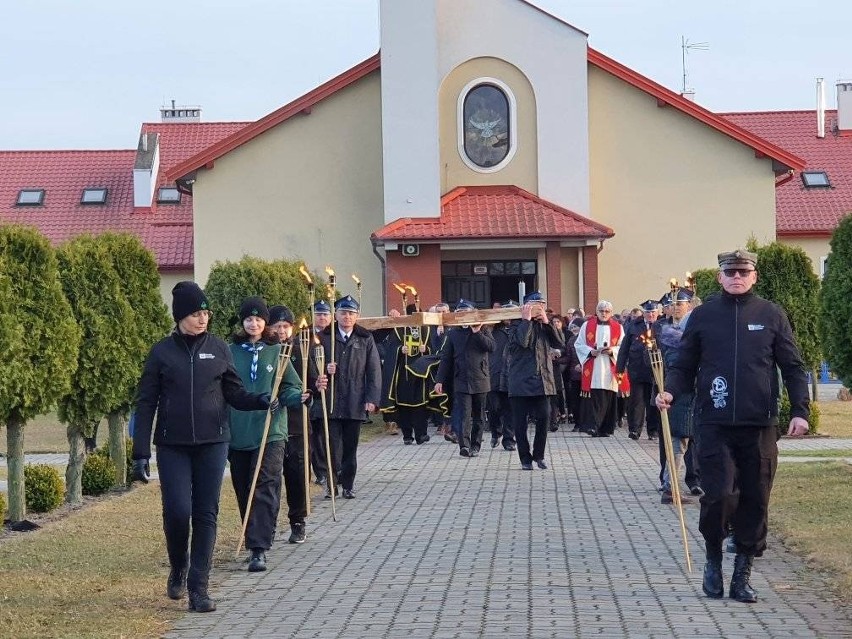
[437, 545]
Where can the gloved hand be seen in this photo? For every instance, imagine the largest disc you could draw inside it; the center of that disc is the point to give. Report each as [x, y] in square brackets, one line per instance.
[141, 471]
[271, 404]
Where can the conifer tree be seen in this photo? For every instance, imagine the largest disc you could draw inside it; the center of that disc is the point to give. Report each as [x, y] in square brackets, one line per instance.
[42, 338]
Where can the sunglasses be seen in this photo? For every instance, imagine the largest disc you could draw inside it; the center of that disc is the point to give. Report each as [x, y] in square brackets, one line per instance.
[742, 272]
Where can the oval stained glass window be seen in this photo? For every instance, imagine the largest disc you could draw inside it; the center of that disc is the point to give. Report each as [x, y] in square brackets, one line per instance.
[486, 125]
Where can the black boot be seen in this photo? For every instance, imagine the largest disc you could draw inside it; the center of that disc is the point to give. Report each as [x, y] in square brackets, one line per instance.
[200, 601]
[740, 589]
[257, 563]
[713, 584]
[176, 585]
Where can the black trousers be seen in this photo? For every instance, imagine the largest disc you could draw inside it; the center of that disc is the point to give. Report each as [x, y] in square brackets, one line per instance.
[412, 421]
[538, 408]
[344, 434]
[500, 416]
[573, 399]
[294, 479]
[471, 407]
[317, 449]
[190, 483]
[640, 409]
[266, 502]
[601, 408]
[737, 470]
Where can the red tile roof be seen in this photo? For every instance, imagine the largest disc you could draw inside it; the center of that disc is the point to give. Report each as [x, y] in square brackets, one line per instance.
[494, 212]
[800, 210]
[165, 229]
[664, 96]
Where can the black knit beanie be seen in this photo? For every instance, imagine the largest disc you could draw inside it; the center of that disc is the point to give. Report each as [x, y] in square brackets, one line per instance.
[254, 306]
[187, 298]
[281, 314]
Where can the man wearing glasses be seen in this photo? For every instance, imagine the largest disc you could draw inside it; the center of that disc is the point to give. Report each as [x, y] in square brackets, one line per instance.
[729, 353]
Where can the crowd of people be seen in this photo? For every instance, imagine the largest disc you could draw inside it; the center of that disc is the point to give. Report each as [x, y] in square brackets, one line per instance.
[543, 369]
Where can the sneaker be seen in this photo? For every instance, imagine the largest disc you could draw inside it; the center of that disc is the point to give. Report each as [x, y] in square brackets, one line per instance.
[297, 533]
[408, 441]
[464, 452]
[696, 490]
[320, 480]
[451, 437]
[348, 493]
[666, 497]
[633, 436]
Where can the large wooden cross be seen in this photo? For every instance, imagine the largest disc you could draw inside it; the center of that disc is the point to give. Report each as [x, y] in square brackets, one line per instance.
[425, 318]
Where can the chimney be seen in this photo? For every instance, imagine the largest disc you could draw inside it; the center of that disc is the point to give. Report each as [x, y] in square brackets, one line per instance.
[178, 113]
[844, 107]
[146, 169]
[820, 110]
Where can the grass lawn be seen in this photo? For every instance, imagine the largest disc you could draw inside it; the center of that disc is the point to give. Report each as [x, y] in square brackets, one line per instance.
[838, 452]
[812, 510]
[46, 434]
[835, 419]
[72, 577]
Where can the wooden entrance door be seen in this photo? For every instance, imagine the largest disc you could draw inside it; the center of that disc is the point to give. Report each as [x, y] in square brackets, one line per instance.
[476, 289]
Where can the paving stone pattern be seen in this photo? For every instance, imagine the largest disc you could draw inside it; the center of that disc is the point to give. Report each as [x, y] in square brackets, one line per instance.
[436, 545]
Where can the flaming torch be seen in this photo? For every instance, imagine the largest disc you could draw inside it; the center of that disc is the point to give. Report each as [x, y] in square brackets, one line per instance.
[304, 353]
[413, 291]
[657, 369]
[310, 283]
[689, 282]
[332, 285]
[357, 281]
[319, 360]
[401, 288]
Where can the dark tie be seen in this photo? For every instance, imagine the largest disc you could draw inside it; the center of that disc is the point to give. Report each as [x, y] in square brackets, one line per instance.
[345, 339]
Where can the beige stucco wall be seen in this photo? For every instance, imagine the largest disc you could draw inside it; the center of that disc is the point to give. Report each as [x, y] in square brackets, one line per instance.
[308, 189]
[676, 191]
[168, 279]
[521, 170]
[816, 248]
[570, 279]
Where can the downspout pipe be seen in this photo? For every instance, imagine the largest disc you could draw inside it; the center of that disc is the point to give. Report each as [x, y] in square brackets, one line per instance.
[375, 244]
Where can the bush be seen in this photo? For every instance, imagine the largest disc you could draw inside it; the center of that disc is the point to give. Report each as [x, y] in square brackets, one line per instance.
[103, 451]
[784, 416]
[836, 303]
[98, 474]
[706, 282]
[43, 487]
[2, 506]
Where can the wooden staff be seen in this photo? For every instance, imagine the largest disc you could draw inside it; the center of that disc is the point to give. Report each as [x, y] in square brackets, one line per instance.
[319, 360]
[657, 368]
[283, 360]
[304, 351]
[332, 282]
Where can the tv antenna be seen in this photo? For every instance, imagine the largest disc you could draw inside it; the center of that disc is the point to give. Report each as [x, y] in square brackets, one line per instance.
[686, 46]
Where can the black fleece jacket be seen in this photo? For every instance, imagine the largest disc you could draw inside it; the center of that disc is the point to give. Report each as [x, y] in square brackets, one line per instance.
[732, 345]
[189, 383]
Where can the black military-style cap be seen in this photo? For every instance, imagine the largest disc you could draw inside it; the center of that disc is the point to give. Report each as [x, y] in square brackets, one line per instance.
[740, 256]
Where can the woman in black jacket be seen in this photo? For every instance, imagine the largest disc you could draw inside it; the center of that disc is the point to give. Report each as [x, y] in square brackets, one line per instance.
[188, 380]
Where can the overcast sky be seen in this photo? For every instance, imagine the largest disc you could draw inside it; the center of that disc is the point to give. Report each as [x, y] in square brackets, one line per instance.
[86, 73]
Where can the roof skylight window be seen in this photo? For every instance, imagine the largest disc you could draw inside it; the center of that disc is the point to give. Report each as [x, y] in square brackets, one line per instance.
[168, 195]
[30, 197]
[94, 196]
[813, 179]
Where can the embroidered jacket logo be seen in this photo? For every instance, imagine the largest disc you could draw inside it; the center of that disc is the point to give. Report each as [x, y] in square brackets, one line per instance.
[719, 391]
[206, 356]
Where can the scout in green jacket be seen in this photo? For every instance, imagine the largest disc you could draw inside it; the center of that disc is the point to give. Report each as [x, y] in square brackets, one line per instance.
[255, 351]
